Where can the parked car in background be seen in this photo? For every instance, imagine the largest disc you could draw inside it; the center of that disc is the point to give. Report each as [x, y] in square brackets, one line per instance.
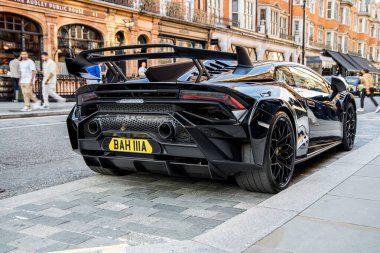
[354, 85]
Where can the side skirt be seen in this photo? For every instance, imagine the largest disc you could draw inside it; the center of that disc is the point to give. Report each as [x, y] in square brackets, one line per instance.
[317, 152]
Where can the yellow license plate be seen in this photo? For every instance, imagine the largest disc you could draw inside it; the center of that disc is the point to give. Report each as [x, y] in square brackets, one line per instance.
[130, 145]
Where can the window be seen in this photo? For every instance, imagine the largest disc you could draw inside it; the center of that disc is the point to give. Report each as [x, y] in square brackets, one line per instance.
[273, 56]
[371, 53]
[19, 33]
[320, 37]
[311, 34]
[235, 12]
[345, 44]
[336, 11]
[248, 18]
[284, 27]
[329, 10]
[335, 41]
[340, 43]
[79, 37]
[363, 25]
[214, 9]
[312, 6]
[274, 23]
[361, 49]
[321, 8]
[282, 74]
[296, 27]
[307, 80]
[329, 40]
[373, 31]
[263, 21]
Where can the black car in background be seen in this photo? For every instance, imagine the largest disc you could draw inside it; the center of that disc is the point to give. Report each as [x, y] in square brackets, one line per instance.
[217, 115]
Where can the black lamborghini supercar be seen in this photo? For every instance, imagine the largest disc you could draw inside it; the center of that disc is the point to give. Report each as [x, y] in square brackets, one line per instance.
[216, 115]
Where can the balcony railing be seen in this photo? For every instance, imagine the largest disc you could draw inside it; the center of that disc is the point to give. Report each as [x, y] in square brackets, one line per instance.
[175, 10]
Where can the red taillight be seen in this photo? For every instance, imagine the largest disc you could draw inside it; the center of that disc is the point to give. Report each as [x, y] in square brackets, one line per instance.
[212, 96]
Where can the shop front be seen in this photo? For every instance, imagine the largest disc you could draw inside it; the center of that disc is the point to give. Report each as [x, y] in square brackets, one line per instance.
[17, 33]
[323, 65]
[37, 26]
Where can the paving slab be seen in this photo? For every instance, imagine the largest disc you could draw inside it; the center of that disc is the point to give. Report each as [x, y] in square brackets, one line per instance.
[348, 210]
[307, 235]
[369, 170]
[240, 232]
[359, 187]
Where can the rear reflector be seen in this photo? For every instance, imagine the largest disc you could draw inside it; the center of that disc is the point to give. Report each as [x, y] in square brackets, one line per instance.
[212, 96]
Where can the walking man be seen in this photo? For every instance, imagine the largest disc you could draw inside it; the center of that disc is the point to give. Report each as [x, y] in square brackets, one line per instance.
[368, 89]
[28, 74]
[14, 66]
[49, 81]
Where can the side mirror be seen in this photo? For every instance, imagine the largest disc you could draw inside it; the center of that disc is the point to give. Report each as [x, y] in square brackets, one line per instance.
[338, 85]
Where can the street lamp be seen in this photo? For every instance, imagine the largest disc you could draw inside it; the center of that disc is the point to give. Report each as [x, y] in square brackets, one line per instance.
[303, 31]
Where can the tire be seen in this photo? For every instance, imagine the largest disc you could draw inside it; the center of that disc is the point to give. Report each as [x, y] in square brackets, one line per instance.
[277, 159]
[106, 171]
[349, 128]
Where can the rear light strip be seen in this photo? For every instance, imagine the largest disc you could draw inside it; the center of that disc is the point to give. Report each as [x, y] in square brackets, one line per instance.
[212, 96]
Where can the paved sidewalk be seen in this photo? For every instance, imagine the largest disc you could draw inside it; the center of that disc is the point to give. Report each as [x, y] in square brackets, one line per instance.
[345, 219]
[9, 110]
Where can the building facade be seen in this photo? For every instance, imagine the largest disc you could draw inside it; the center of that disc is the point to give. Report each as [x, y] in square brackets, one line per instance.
[270, 29]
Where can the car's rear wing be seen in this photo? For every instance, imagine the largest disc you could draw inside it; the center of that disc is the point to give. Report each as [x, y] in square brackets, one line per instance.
[77, 65]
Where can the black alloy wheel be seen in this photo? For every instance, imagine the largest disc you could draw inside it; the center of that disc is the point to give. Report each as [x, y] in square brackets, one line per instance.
[279, 157]
[282, 152]
[349, 128]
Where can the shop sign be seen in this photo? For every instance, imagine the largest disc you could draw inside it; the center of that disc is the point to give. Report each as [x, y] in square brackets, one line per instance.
[177, 30]
[7, 45]
[62, 7]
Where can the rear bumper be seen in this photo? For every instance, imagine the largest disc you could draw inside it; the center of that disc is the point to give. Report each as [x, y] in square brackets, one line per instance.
[207, 151]
[217, 169]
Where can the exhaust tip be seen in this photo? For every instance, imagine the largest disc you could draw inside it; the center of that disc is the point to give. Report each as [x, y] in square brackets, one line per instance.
[94, 127]
[166, 130]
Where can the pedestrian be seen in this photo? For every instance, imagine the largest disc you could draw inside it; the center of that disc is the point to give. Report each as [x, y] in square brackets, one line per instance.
[5, 66]
[27, 79]
[14, 66]
[104, 71]
[367, 90]
[142, 70]
[49, 81]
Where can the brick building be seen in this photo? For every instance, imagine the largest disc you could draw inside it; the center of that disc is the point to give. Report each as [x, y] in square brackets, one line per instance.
[270, 29]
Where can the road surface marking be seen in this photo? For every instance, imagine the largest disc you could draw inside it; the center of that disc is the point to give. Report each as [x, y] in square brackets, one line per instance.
[33, 125]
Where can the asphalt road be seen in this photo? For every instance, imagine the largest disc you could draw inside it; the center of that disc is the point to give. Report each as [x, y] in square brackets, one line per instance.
[35, 153]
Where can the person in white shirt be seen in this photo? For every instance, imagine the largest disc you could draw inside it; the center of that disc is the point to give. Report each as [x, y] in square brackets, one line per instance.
[14, 66]
[49, 81]
[28, 73]
[142, 70]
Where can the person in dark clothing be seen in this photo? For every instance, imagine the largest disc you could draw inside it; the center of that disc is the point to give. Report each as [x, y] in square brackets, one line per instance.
[368, 90]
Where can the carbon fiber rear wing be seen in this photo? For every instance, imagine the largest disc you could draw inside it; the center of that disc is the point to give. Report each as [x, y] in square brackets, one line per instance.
[77, 65]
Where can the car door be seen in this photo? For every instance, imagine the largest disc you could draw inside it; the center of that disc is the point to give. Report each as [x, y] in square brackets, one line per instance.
[323, 113]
